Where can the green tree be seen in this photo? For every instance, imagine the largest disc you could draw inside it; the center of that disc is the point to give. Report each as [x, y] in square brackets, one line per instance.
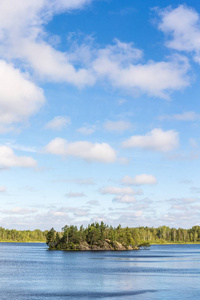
[50, 238]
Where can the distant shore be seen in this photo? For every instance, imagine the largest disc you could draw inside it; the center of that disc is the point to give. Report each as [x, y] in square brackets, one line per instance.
[70, 237]
[98, 248]
[23, 242]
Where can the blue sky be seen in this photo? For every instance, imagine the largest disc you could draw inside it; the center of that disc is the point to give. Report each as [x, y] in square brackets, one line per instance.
[99, 113]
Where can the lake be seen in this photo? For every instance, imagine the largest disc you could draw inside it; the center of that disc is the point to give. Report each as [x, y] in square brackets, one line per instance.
[30, 271]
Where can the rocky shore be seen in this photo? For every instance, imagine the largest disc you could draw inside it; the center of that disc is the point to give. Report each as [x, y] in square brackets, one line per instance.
[105, 246]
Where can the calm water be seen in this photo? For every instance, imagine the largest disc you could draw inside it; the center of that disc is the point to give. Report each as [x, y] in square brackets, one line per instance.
[30, 271]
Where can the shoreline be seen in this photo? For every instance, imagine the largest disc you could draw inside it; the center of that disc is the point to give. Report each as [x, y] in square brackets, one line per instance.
[40, 242]
[28, 242]
[189, 243]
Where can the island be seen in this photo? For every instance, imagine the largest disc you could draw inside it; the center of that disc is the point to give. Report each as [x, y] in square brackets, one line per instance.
[96, 237]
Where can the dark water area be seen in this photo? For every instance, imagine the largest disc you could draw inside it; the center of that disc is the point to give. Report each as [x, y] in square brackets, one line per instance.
[30, 271]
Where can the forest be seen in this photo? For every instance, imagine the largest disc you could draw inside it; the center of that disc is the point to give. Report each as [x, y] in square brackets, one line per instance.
[103, 237]
[22, 236]
[96, 234]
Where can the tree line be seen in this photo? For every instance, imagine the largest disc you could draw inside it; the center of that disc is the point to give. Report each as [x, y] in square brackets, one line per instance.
[96, 234]
[13, 235]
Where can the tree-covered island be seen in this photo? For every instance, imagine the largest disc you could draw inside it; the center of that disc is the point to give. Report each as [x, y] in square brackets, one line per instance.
[103, 237]
[95, 237]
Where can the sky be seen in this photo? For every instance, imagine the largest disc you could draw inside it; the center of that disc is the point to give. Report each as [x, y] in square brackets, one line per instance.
[99, 113]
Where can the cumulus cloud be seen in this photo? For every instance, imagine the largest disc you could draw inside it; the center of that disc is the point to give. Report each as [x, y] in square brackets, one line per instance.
[187, 156]
[91, 152]
[18, 211]
[183, 209]
[40, 11]
[118, 190]
[86, 130]
[81, 212]
[93, 202]
[139, 179]
[186, 218]
[9, 159]
[42, 220]
[83, 181]
[80, 181]
[182, 201]
[157, 140]
[53, 65]
[183, 25]
[117, 64]
[124, 199]
[58, 123]
[23, 38]
[74, 195]
[185, 116]
[76, 211]
[117, 126]
[19, 97]
[58, 213]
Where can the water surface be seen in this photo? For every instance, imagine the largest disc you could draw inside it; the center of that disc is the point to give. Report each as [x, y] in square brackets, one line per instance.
[30, 271]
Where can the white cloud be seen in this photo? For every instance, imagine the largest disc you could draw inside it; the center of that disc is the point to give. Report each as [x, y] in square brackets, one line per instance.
[68, 5]
[185, 116]
[157, 139]
[86, 130]
[58, 213]
[139, 179]
[32, 14]
[84, 181]
[58, 123]
[77, 211]
[24, 148]
[91, 152]
[117, 64]
[113, 190]
[183, 25]
[118, 126]
[122, 52]
[80, 181]
[19, 97]
[93, 202]
[81, 212]
[75, 195]
[18, 211]
[124, 199]
[9, 159]
[53, 65]
[182, 201]
[187, 156]
[23, 38]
